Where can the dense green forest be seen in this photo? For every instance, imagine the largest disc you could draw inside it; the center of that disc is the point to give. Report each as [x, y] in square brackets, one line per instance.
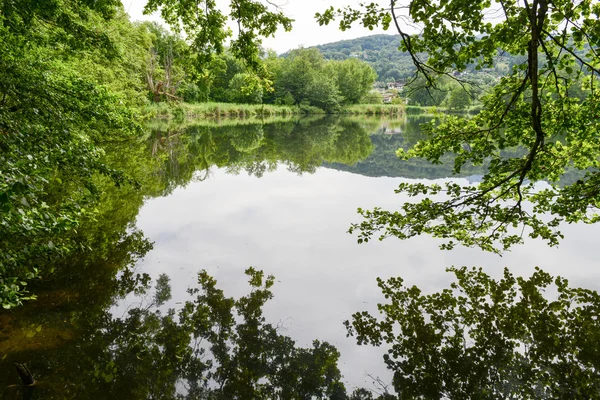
[304, 78]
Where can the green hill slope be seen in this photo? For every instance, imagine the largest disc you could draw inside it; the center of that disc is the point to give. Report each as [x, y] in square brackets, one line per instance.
[380, 51]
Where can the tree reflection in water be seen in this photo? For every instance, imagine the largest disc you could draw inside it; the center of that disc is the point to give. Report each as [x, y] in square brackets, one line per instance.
[213, 347]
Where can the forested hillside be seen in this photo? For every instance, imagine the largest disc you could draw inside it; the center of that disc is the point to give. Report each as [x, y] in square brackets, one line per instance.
[383, 53]
[379, 51]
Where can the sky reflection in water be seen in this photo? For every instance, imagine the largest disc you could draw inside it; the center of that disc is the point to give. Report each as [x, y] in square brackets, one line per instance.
[294, 227]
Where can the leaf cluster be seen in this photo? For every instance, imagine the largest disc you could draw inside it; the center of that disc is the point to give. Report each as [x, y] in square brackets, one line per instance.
[205, 26]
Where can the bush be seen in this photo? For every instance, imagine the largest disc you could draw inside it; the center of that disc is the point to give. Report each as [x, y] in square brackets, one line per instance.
[373, 97]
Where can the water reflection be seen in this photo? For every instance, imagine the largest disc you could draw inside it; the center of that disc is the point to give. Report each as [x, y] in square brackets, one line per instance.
[301, 146]
[215, 347]
[360, 145]
[96, 330]
[69, 338]
[389, 136]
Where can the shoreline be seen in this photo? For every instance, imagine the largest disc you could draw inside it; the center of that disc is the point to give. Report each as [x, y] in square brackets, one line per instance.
[183, 111]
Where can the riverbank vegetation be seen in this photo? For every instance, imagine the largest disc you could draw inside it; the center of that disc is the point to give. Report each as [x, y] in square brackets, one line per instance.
[303, 79]
[192, 111]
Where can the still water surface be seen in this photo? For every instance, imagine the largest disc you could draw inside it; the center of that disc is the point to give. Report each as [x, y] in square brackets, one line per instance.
[278, 197]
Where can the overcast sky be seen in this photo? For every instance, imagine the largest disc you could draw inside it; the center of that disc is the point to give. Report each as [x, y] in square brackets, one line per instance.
[306, 31]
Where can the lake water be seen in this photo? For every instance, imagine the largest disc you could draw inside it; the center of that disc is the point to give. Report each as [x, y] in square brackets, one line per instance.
[279, 197]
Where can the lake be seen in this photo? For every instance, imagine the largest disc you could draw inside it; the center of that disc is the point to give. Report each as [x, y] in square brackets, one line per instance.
[222, 196]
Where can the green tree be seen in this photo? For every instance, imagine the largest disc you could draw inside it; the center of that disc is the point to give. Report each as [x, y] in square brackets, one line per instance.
[304, 76]
[458, 99]
[532, 108]
[218, 73]
[168, 62]
[354, 78]
[245, 88]
[307, 77]
[323, 92]
[297, 72]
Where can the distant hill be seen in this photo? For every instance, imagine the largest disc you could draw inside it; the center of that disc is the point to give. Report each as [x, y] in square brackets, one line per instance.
[380, 51]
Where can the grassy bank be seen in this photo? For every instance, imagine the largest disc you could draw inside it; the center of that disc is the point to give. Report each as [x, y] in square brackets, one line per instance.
[220, 110]
[433, 110]
[183, 111]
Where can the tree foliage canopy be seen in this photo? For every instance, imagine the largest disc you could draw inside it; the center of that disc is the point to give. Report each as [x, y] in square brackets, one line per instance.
[304, 76]
[537, 107]
[205, 25]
